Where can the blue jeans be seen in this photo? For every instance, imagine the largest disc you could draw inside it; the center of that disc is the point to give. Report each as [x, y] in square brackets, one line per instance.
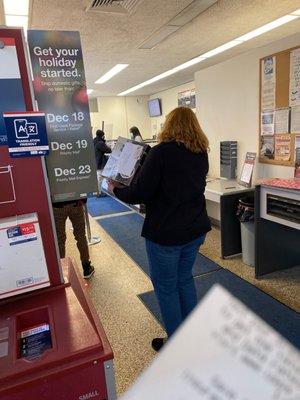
[172, 279]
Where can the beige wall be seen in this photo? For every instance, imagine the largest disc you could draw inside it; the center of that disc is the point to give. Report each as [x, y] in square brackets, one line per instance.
[169, 101]
[120, 113]
[227, 105]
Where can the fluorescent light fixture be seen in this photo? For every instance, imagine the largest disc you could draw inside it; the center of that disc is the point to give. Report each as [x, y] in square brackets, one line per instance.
[16, 7]
[89, 91]
[189, 63]
[297, 12]
[268, 27]
[221, 49]
[112, 72]
[226, 46]
[17, 20]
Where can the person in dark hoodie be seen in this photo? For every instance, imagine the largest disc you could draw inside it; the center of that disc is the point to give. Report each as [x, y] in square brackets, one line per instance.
[101, 149]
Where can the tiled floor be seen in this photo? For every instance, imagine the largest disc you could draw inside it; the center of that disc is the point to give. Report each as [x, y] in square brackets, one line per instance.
[129, 326]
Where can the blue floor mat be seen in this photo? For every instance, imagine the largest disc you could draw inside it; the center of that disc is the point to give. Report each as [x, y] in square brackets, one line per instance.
[126, 231]
[98, 206]
[281, 318]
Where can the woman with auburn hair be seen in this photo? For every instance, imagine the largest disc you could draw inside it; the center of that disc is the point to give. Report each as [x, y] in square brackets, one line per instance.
[172, 183]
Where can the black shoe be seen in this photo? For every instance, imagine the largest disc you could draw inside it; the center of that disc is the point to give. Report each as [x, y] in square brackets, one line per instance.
[158, 343]
[88, 270]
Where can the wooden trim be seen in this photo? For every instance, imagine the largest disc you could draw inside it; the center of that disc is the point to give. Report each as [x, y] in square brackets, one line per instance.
[281, 99]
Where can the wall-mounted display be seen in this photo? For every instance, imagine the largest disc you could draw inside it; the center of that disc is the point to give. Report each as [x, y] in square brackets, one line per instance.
[154, 107]
[187, 98]
[279, 107]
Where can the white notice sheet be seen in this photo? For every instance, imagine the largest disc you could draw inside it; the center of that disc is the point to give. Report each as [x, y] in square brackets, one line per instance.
[268, 122]
[268, 83]
[282, 120]
[295, 119]
[295, 78]
[222, 352]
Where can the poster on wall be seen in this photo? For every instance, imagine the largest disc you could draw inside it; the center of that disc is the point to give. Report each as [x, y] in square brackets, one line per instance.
[267, 147]
[10, 82]
[268, 122]
[295, 78]
[60, 92]
[187, 98]
[282, 120]
[268, 84]
[283, 145]
[295, 119]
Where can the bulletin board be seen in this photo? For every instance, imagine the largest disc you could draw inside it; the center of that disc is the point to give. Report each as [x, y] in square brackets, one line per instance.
[279, 107]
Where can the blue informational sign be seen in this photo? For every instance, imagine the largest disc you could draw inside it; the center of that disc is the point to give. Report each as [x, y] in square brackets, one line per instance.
[26, 134]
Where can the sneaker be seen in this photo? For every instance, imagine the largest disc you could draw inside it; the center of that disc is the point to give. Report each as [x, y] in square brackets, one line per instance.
[158, 343]
[88, 270]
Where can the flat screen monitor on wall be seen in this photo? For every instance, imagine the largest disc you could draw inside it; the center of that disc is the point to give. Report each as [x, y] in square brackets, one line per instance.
[154, 106]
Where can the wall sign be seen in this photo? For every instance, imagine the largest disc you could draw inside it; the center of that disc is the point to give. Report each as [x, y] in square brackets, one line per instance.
[60, 91]
[187, 98]
[26, 134]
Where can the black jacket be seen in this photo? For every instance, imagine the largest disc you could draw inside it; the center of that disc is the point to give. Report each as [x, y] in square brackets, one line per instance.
[171, 183]
[100, 149]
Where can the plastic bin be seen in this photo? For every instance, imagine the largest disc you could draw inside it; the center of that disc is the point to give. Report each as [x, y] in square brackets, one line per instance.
[245, 213]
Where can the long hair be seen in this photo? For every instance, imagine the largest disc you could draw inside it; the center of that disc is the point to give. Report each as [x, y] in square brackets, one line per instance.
[181, 125]
[135, 132]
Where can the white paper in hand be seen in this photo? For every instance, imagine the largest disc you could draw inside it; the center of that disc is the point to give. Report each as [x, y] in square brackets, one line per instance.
[130, 155]
[222, 352]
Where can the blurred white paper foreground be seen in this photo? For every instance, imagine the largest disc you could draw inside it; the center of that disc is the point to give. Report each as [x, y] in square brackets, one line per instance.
[223, 352]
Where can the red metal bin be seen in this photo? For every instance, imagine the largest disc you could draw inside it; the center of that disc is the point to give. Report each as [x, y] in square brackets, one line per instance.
[78, 366]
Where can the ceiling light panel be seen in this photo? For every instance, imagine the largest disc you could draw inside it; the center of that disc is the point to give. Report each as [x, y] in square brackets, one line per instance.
[297, 12]
[16, 7]
[111, 73]
[268, 27]
[191, 11]
[186, 15]
[221, 49]
[17, 20]
[159, 36]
